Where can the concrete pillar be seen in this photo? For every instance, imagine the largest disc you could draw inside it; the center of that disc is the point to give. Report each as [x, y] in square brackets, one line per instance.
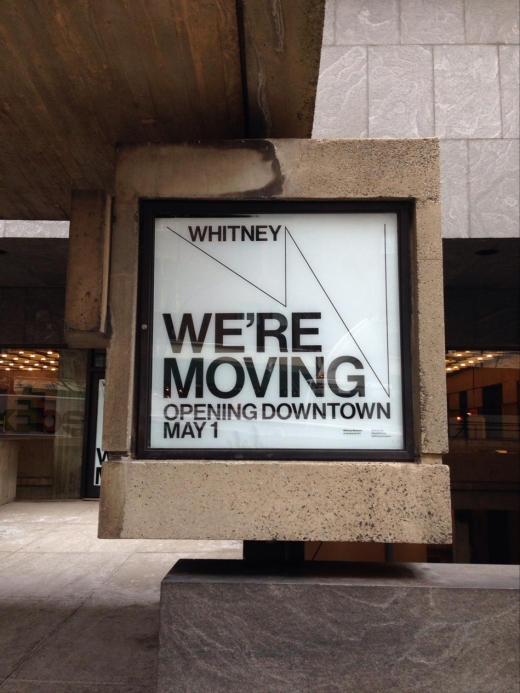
[70, 412]
[8, 470]
[86, 325]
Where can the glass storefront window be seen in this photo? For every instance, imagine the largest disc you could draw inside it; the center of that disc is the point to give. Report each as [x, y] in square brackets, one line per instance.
[42, 406]
[483, 416]
[483, 400]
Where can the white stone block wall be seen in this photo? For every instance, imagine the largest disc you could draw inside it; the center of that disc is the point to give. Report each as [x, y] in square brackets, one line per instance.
[423, 68]
[10, 228]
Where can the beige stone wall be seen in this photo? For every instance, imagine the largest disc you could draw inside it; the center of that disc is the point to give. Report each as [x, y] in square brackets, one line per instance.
[197, 499]
[333, 501]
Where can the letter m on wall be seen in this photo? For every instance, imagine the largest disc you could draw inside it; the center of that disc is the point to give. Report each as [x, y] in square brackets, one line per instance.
[195, 370]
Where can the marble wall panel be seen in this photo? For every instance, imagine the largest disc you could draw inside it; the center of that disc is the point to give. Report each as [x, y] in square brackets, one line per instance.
[455, 188]
[331, 634]
[36, 229]
[341, 102]
[491, 22]
[509, 89]
[328, 26]
[400, 91]
[493, 172]
[467, 98]
[367, 22]
[423, 21]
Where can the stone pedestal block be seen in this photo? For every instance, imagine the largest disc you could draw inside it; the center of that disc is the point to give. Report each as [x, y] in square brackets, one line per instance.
[233, 626]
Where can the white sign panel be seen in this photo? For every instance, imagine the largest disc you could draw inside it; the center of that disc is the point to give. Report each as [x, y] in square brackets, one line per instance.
[276, 331]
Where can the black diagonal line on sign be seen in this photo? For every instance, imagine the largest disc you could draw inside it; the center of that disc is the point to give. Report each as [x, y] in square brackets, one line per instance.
[285, 262]
[386, 307]
[228, 268]
[332, 304]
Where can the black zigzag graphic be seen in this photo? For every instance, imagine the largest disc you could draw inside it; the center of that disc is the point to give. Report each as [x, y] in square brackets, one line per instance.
[237, 274]
[288, 233]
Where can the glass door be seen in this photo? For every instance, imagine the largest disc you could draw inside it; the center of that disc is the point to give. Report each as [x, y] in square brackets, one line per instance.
[94, 453]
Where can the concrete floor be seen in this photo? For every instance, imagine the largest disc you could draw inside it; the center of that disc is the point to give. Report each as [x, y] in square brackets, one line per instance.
[79, 614]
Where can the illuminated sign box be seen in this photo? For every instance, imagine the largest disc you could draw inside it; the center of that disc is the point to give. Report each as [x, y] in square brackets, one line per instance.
[275, 330]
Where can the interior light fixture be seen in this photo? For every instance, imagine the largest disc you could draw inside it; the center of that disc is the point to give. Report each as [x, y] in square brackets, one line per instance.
[490, 356]
[502, 452]
[50, 352]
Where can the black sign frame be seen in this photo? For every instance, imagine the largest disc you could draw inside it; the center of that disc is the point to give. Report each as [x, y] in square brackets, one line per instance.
[150, 210]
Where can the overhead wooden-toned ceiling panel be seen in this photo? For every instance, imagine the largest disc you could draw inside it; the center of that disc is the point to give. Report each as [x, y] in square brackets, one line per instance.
[79, 76]
[282, 46]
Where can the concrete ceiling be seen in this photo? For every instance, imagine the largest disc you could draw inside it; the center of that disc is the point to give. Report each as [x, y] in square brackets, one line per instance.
[79, 76]
[36, 262]
[481, 263]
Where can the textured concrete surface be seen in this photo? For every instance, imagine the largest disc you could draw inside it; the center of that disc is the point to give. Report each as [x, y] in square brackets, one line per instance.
[77, 614]
[87, 271]
[276, 169]
[369, 628]
[447, 68]
[334, 501]
[297, 169]
[8, 470]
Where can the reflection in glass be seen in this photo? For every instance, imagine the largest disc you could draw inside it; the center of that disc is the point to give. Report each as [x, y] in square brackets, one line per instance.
[42, 403]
